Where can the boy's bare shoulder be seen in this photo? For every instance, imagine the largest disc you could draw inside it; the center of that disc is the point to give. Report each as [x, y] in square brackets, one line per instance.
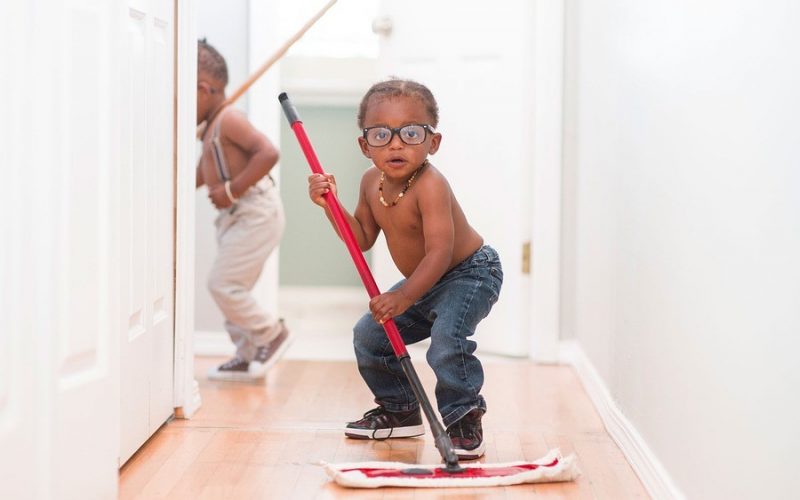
[370, 175]
[433, 172]
[234, 123]
[233, 116]
[433, 179]
[238, 131]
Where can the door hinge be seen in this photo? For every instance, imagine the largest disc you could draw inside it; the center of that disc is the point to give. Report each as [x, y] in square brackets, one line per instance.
[526, 257]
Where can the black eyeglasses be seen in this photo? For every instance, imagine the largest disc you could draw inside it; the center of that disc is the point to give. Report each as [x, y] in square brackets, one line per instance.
[409, 134]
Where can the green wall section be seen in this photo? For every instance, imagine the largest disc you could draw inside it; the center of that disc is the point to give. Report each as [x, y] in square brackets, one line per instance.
[311, 253]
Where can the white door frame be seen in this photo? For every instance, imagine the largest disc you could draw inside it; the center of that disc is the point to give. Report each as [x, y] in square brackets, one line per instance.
[548, 84]
[187, 393]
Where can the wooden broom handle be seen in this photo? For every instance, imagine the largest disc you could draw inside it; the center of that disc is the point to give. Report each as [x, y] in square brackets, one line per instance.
[277, 55]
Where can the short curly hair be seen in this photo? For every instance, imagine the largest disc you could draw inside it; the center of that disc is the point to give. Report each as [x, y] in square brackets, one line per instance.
[396, 87]
[211, 62]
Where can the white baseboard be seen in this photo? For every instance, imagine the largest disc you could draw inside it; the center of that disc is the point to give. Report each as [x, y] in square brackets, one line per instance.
[644, 462]
[210, 343]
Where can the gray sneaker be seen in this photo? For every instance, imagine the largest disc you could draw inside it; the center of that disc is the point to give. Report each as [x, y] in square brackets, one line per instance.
[268, 355]
[235, 369]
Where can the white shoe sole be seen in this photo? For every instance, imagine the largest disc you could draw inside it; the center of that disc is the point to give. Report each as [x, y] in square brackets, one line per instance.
[258, 369]
[395, 432]
[471, 454]
[215, 374]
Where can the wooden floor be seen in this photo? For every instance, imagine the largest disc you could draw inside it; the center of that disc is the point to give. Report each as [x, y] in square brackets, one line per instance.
[265, 440]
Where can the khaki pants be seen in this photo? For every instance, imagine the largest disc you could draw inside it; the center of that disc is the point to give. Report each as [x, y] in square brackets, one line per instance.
[246, 235]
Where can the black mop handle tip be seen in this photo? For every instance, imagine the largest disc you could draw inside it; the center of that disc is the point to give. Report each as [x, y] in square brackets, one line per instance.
[288, 109]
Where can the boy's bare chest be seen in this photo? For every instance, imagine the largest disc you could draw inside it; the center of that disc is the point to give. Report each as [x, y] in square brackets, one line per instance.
[402, 219]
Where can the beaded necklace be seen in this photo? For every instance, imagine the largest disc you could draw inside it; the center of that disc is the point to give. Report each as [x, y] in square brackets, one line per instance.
[403, 192]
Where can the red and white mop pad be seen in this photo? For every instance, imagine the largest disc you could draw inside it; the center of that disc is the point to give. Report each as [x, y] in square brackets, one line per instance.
[550, 468]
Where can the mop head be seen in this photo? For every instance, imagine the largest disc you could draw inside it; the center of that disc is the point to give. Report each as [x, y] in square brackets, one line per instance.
[550, 468]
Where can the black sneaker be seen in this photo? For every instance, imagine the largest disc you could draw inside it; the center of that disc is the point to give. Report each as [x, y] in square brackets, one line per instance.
[382, 424]
[268, 355]
[467, 436]
[233, 369]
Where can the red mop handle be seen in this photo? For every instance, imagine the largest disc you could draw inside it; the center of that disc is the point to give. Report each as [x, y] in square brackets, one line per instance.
[341, 223]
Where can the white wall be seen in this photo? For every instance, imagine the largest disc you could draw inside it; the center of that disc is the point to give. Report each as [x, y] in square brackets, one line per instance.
[683, 216]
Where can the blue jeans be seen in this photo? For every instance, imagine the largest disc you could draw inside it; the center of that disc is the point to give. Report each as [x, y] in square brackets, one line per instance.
[448, 313]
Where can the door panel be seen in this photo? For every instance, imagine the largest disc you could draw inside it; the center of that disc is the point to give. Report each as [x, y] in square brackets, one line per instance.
[147, 223]
[81, 347]
[75, 274]
[23, 367]
[60, 305]
[84, 284]
[162, 215]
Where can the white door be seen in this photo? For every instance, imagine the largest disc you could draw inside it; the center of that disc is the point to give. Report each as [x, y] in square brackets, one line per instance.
[59, 306]
[147, 222]
[22, 448]
[476, 58]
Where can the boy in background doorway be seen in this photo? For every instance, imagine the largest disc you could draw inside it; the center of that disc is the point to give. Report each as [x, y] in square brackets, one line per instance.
[235, 164]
